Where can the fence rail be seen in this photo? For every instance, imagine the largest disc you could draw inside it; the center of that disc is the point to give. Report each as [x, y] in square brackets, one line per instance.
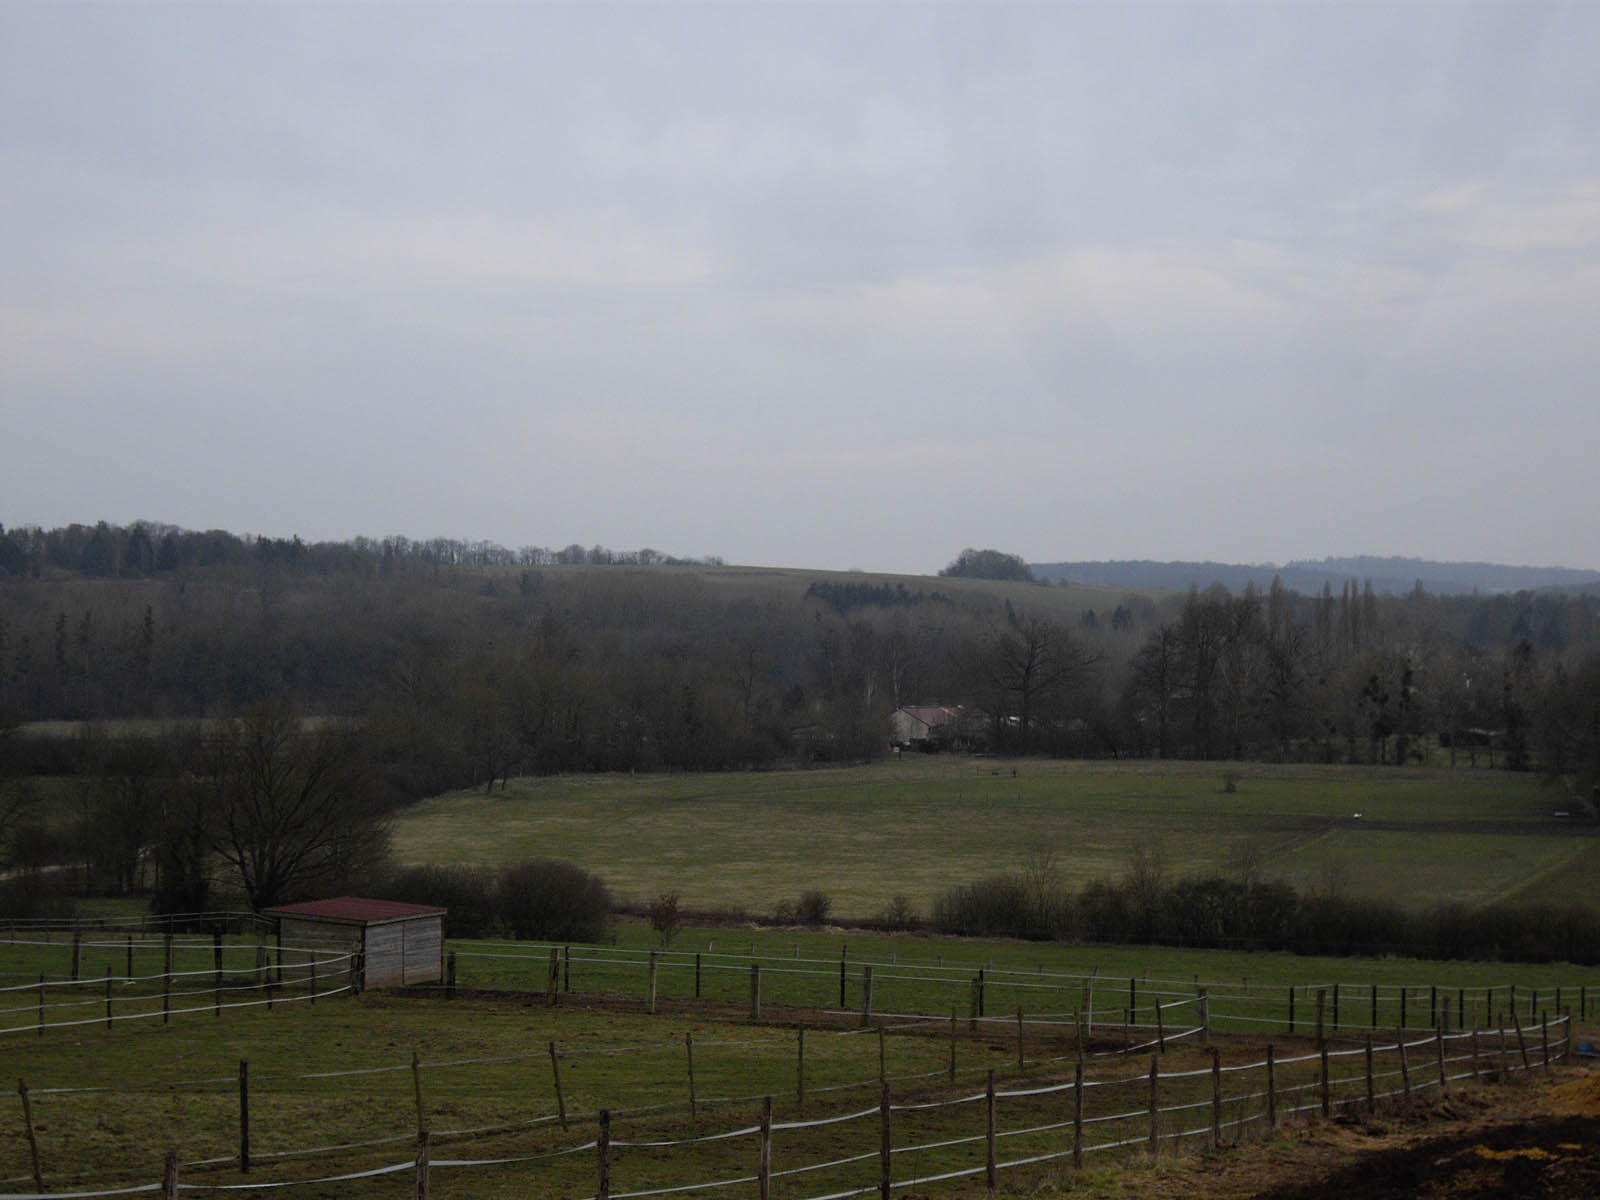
[1042, 1127]
[150, 976]
[870, 988]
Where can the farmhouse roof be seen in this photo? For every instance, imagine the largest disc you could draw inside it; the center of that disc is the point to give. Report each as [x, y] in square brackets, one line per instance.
[932, 715]
[355, 910]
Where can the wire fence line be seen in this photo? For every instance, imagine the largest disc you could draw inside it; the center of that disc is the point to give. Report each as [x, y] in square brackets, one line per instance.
[239, 975]
[1048, 1128]
[873, 986]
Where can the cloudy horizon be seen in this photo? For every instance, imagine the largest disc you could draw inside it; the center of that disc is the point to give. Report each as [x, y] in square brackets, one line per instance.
[821, 285]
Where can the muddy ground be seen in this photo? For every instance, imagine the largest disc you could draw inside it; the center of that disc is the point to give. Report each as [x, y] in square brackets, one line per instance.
[1537, 1139]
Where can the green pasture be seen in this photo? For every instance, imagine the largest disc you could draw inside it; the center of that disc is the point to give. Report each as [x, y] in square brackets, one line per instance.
[337, 1079]
[748, 841]
[332, 1088]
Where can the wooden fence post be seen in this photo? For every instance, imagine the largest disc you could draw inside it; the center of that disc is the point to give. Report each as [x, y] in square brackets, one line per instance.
[244, 1116]
[866, 996]
[885, 1145]
[1272, 1089]
[416, 1088]
[555, 1075]
[1322, 1055]
[1291, 1009]
[1372, 1096]
[1544, 1041]
[1438, 1043]
[1216, 1098]
[765, 1169]
[169, 1176]
[1077, 1117]
[33, 1139]
[1161, 1029]
[1336, 1007]
[1203, 1003]
[651, 1001]
[688, 1050]
[990, 1174]
[1405, 1067]
[422, 1165]
[1404, 995]
[566, 968]
[129, 972]
[697, 993]
[602, 1147]
[1155, 1105]
[952, 1043]
[1522, 1042]
[755, 991]
[108, 995]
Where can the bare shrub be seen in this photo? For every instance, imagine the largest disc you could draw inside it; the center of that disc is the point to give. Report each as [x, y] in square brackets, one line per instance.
[551, 899]
[663, 914]
[900, 915]
[813, 907]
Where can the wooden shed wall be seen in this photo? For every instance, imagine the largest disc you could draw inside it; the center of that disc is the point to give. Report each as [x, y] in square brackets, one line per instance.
[424, 952]
[403, 952]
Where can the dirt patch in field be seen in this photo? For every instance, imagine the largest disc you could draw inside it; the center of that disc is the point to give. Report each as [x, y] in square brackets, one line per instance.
[1539, 1140]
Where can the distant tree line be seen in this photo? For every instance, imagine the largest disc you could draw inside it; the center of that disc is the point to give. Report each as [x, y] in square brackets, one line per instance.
[148, 548]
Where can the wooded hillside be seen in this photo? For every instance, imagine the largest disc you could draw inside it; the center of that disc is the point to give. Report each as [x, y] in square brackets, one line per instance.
[467, 662]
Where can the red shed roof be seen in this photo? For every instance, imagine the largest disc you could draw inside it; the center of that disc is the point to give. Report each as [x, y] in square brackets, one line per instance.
[355, 910]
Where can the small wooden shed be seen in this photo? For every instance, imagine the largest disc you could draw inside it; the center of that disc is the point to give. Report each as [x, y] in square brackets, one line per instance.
[399, 943]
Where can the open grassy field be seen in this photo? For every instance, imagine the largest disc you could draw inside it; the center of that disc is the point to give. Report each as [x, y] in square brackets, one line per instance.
[332, 1088]
[917, 826]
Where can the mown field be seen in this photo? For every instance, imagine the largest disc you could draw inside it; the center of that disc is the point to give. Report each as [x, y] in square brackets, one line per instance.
[748, 841]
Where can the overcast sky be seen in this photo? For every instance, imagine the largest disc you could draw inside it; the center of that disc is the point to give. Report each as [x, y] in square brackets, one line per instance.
[811, 285]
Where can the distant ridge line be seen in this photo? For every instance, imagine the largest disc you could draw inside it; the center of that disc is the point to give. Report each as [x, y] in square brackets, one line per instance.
[1389, 576]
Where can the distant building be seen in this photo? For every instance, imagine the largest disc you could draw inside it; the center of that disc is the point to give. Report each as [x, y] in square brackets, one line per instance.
[929, 727]
[398, 943]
